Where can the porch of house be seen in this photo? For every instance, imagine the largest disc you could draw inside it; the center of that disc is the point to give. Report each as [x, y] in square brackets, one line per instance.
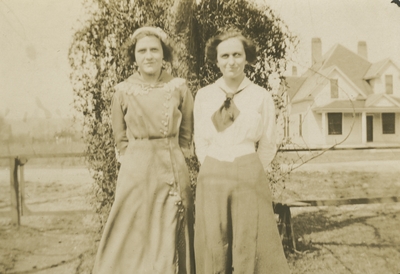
[363, 128]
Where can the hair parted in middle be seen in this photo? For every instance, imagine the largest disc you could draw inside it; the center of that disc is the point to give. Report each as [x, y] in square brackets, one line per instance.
[249, 47]
[130, 44]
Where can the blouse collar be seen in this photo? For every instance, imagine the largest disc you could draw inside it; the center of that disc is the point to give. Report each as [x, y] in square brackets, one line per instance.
[244, 84]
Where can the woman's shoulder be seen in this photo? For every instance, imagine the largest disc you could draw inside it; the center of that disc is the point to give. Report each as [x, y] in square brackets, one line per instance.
[260, 92]
[176, 83]
[119, 88]
[257, 88]
[123, 87]
[206, 91]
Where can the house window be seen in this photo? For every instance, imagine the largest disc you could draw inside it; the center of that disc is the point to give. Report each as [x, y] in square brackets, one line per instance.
[300, 125]
[388, 123]
[389, 84]
[334, 88]
[334, 123]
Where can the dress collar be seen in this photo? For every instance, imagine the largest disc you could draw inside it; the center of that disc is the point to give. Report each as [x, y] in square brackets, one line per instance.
[136, 78]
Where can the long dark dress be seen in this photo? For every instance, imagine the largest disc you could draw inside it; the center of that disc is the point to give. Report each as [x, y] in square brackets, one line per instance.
[149, 229]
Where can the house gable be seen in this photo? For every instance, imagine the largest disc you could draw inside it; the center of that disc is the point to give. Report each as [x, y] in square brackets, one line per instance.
[381, 100]
[320, 90]
[378, 69]
[350, 90]
[352, 65]
[384, 102]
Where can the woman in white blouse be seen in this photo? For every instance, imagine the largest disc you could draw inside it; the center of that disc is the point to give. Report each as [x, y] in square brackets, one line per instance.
[235, 226]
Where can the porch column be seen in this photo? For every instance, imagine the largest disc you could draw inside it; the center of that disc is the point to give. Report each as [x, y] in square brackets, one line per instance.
[324, 127]
[364, 127]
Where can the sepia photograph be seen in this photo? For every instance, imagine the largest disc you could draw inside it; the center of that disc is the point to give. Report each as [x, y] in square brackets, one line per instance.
[199, 136]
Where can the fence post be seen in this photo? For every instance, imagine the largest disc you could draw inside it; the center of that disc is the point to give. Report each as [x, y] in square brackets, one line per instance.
[14, 190]
[23, 209]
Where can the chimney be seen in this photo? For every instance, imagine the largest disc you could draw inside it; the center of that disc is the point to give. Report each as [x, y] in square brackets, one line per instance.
[362, 49]
[294, 71]
[316, 50]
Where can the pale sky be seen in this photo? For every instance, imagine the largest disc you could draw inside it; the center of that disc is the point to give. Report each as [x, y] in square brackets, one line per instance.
[35, 36]
[34, 39]
[345, 22]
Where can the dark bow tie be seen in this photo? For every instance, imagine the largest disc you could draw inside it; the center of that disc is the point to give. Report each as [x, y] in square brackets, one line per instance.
[227, 113]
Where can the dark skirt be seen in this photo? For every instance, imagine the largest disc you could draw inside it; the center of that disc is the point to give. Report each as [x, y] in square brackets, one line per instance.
[236, 230]
[150, 226]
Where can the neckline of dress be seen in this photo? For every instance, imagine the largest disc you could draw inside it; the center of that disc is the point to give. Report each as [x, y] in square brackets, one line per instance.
[136, 78]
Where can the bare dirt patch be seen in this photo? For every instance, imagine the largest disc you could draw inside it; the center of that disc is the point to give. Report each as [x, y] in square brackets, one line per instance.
[345, 239]
[54, 242]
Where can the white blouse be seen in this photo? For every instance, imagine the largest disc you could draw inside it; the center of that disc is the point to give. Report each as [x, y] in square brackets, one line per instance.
[256, 122]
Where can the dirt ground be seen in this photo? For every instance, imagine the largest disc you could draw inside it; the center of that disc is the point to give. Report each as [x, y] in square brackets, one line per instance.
[58, 243]
[345, 239]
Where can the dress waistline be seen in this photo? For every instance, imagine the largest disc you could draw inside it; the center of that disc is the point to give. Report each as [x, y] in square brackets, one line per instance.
[154, 138]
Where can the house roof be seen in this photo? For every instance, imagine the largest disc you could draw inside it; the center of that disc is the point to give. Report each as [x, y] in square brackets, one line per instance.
[312, 84]
[375, 68]
[353, 66]
[350, 64]
[355, 70]
[293, 85]
[341, 105]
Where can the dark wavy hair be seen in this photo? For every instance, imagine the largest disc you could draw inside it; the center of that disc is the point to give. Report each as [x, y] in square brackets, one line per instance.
[129, 46]
[249, 47]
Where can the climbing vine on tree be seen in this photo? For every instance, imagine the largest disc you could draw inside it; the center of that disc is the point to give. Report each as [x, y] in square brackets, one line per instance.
[274, 42]
[97, 60]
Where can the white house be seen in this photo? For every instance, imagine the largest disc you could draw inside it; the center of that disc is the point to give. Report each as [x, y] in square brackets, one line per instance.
[344, 99]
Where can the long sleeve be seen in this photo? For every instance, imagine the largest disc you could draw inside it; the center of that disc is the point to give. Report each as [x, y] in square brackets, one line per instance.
[118, 123]
[267, 144]
[201, 144]
[186, 127]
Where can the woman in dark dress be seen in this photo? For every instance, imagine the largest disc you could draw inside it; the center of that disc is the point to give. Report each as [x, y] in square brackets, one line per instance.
[149, 230]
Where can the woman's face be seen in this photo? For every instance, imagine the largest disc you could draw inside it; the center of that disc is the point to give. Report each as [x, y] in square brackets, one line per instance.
[231, 58]
[149, 55]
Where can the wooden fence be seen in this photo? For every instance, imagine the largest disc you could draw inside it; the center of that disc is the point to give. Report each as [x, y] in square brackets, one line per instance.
[17, 186]
[285, 224]
[282, 208]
